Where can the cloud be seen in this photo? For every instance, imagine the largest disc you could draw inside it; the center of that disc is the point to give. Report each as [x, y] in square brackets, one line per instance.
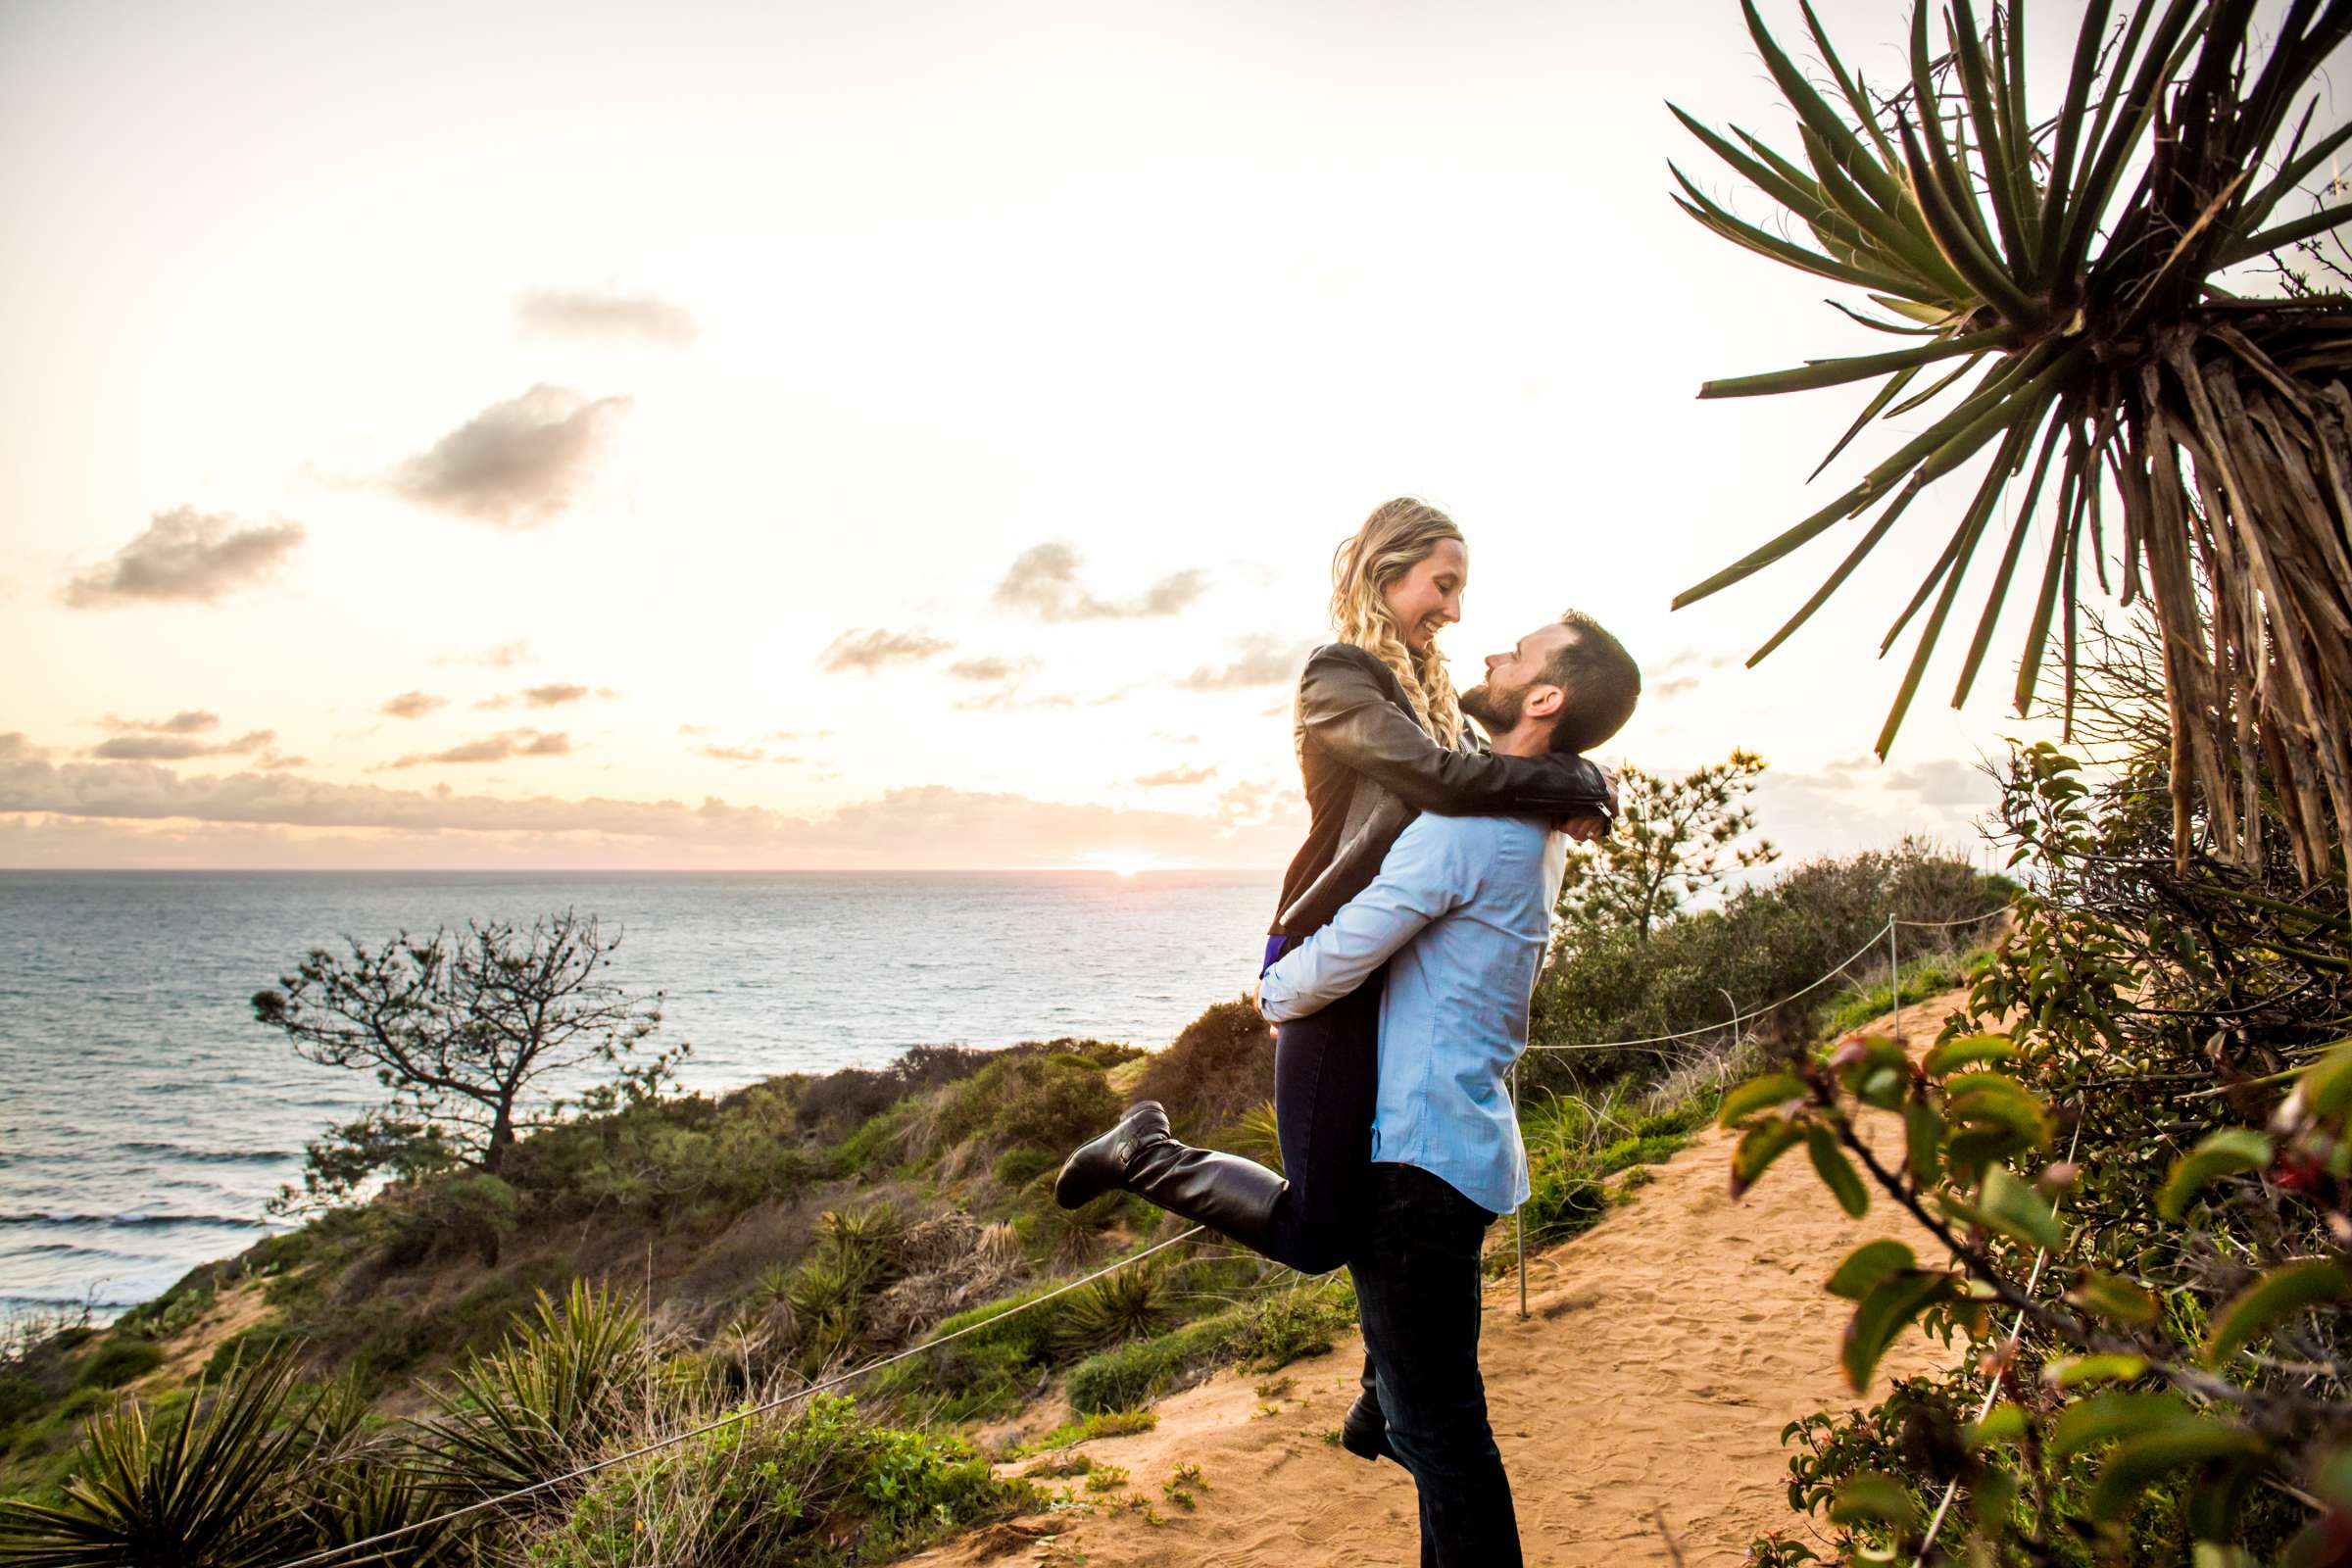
[1682, 672]
[552, 696]
[742, 753]
[17, 747]
[931, 825]
[496, 748]
[1257, 661]
[412, 705]
[185, 557]
[505, 655]
[194, 721]
[178, 748]
[991, 668]
[866, 652]
[1009, 698]
[515, 463]
[1044, 582]
[1946, 782]
[585, 313]
[1176, 777]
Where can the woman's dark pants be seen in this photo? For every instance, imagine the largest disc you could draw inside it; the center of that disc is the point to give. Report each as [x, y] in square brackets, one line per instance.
[1415, 1265]
[1326, 1080]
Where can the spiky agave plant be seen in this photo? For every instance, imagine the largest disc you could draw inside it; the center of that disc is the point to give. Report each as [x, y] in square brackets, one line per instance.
[2104, 357]
[210, 1486]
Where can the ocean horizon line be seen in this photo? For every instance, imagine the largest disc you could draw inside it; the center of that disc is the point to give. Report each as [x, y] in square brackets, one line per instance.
[1121, 873]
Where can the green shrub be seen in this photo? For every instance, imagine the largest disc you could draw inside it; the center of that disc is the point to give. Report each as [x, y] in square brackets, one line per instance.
[1262, 1335]
[1136, 1374]
[1017, 1168]
[116, 1362]
[1050, 1103]
[19, 1396]
[1107, 1424]
[779, 1492]
[1612, 983]
[1217, 1070]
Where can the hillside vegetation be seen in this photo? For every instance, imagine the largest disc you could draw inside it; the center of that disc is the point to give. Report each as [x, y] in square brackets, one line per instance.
[631, 1275]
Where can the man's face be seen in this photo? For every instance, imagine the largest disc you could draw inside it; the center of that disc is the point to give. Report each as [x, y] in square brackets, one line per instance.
[1500, 701]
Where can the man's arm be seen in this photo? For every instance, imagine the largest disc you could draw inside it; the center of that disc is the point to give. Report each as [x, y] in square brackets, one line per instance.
[1421, 880]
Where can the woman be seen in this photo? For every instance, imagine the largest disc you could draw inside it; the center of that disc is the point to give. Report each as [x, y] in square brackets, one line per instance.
[1380, 737]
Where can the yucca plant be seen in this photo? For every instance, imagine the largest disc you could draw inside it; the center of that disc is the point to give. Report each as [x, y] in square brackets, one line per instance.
[544, 1402]
[1129, 1305]
[212, 1486]
[2088, 345]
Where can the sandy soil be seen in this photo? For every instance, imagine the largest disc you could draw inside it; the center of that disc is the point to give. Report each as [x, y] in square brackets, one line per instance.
[1639, 1406]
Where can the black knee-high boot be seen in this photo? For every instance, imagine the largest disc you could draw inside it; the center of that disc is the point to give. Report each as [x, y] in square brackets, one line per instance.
[1224, 1192]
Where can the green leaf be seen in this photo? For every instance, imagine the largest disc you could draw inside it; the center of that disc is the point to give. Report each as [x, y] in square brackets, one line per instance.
[2017, 1211]
[1759, 1094]
[2274, 1298]
[1967, 1051]
[2107, 1417]
[1837, 1171]
[2327, 1082]
[1859, 367]
[2005, 1422]
[1891, 1304]
[1923, 1142]
[2081, 1371]
[2117, 1300]
[1873, 1498]
[1866, 1265]
[1758, 1147]
[2285, 234]
[2139, 1463]
[1989, 1100]
[2227, 1152]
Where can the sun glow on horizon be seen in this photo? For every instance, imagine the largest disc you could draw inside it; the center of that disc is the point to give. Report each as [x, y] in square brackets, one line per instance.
[1125, 863]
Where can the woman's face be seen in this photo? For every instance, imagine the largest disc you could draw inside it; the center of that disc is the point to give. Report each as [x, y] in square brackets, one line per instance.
[1429, 597]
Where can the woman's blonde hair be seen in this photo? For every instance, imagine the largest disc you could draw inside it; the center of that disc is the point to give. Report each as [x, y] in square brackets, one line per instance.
[1397, 536]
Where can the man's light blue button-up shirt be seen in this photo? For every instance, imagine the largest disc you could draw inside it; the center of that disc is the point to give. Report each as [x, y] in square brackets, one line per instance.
[1461, 912]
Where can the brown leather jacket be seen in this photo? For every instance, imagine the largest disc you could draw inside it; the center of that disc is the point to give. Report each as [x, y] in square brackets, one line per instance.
[1370, 769]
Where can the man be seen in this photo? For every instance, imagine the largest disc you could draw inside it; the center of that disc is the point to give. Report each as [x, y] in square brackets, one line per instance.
[1461, 912]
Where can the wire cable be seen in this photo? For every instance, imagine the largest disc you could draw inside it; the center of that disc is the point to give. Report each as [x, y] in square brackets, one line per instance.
[1736, 1020]
[732, 1418]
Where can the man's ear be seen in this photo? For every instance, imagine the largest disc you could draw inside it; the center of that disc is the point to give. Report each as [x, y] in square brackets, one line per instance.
[1542, 702]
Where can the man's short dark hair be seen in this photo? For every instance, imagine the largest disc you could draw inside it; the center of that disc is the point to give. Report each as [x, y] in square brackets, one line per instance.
[1601, 679]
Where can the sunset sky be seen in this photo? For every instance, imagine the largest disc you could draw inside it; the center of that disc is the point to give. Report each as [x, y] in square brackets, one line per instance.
[891, 435]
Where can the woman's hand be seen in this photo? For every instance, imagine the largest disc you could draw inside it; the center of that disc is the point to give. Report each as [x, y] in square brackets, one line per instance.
[1592, 826]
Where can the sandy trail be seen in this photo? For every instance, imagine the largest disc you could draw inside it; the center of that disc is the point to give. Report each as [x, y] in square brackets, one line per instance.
[1641, 1398]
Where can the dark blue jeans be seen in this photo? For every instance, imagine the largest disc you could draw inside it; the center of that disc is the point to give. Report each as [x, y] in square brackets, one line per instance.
[1415, 1265]
[1326, 1082]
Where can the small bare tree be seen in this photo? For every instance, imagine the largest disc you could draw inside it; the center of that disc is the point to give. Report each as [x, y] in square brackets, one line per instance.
[461, 1028]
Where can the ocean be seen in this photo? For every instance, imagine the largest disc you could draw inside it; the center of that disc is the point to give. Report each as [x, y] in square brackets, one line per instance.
[146, 1119]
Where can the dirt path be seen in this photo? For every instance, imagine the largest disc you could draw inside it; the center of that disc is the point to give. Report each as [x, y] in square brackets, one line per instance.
[1642, 1398]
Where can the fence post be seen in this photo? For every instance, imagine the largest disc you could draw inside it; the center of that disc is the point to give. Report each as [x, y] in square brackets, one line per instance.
[1519, 1214]
[1894, 976]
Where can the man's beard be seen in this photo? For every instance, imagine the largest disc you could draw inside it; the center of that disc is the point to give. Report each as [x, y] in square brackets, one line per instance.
[1496, 712]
